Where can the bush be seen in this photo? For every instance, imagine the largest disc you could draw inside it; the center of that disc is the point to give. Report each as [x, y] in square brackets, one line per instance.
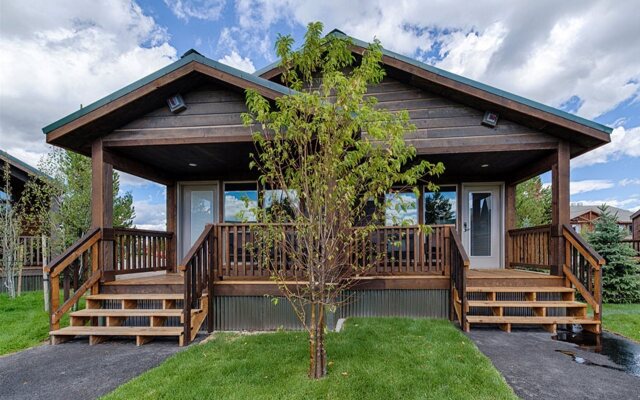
[621, 273]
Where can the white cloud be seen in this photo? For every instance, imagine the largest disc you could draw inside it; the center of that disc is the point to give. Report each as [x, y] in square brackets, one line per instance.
[589, 185]
[546, 50]
[150, 215]
[628, 182]
[237, 61]
[58, 55]
[624, 142]
[208, 10]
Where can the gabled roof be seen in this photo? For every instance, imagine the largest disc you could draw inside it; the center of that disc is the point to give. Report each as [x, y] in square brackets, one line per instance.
[192, 59]
[21, 165]
[456, 82]
[635, 215]
[624, 216]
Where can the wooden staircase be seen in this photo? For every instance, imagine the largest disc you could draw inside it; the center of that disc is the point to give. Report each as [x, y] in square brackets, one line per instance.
[109, 315]
[525, 307]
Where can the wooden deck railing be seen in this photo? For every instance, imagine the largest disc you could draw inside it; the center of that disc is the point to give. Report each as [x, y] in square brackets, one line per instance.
[33, 254]
[583, 269]
[459, 269]
[137, 250]
[529, 247]
[74, 272]
[198, 267]
[635, 244]
[388, 250]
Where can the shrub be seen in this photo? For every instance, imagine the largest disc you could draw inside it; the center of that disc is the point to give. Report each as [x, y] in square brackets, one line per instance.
[621, 273]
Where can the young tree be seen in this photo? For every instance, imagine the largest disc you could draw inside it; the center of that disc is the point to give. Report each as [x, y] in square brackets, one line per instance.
[330, 151]
[9, 235]
[71, 211]
[533, 203]
[621, 273]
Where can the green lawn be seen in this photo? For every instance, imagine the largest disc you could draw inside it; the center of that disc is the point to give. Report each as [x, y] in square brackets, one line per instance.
[372, 358]
[623, 319]
[23, 321]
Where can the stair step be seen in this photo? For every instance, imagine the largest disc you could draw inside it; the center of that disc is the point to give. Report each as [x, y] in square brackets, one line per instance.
[490, 319]
[101, 312]
[118, 331]
[519, 304]
[515, 289]
[137, 296]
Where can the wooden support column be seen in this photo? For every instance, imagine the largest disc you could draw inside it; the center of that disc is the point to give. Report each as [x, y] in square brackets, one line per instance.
[560, 178]
[509, 221]
[172, 224]
[102, 205]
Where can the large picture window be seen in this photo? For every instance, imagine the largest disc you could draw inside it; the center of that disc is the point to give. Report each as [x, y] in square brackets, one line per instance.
[440, 208]
[239, 200]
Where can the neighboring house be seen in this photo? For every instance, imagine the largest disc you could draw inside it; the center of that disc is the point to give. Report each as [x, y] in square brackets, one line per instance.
[635, 229]
[635, 225]
[465, 269]
[32, 251]
[583, 218]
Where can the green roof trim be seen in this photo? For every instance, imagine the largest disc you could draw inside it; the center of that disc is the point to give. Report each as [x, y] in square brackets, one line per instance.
[466, 81]
[23, 165]
[190, 56]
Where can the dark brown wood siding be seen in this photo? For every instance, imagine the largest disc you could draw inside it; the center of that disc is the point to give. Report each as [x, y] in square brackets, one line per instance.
[212, 111]
[213, 114]
[448, 125]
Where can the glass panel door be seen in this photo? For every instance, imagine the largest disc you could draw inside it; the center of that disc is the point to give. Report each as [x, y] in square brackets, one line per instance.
[198, 208]
[481, 225]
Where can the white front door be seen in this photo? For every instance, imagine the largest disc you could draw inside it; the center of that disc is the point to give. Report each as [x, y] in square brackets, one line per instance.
[482, 224]
[198, 207]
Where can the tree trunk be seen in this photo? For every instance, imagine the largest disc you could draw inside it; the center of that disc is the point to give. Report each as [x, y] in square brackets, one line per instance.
[317, 352]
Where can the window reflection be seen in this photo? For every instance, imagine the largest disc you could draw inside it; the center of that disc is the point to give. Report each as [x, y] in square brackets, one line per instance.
[401, 209]
[239, 201]
[440, 207]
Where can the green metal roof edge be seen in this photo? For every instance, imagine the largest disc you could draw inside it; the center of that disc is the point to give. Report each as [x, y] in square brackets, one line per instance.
[14, 160]
[189, 56]
[466, 81]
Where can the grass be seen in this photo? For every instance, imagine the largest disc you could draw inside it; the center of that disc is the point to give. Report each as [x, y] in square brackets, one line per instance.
[372, 358]
[623, 319]
[23, 321]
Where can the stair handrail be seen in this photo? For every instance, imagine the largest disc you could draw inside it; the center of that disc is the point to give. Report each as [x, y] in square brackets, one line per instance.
[460, 263]
[588, 281]
[89, 242]
[198, 268]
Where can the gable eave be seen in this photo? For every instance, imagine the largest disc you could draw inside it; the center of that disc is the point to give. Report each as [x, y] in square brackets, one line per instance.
[476, 89]
[191, 62]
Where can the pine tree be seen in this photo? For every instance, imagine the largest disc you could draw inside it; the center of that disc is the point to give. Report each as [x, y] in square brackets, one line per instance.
[621, 273]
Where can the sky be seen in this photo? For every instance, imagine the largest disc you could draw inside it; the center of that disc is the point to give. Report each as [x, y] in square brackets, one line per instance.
[577, 55]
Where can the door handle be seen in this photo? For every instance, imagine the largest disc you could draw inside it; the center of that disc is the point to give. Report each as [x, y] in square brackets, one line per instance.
[465, 227]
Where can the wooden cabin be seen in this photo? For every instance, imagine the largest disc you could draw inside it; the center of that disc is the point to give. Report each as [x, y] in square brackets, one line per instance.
[474, 268]
[33, 249]
[583, 218]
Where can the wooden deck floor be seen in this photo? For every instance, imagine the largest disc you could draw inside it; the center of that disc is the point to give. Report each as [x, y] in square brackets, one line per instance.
[505, 274]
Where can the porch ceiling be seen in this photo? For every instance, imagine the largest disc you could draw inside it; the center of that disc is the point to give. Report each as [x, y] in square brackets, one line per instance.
[230, 161]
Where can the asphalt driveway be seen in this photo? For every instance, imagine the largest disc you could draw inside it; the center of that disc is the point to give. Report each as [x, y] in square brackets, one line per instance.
[538, 367]
[75, 370]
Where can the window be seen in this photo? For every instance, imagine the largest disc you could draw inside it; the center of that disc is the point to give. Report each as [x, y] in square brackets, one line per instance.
[401, 208]
[239, 200]
[279, 198]
[440, 208]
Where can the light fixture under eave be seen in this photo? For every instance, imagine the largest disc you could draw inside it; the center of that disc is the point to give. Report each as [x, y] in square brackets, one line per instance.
[484, 165]
[191, 164]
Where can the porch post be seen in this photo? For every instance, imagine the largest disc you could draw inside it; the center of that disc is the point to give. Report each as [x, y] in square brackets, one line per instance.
[560, 205]
[172, 224]
[509, 221]
[102, 205]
